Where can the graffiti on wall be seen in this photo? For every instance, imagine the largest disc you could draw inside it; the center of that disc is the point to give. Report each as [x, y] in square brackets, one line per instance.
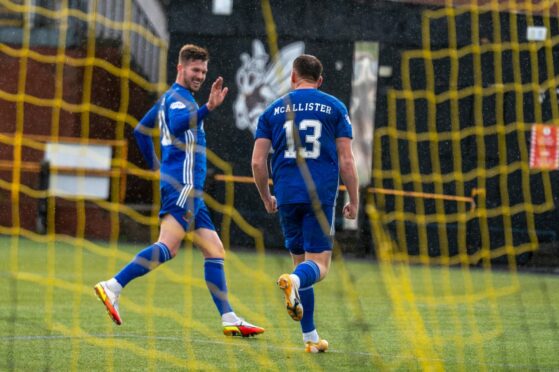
[260, 80]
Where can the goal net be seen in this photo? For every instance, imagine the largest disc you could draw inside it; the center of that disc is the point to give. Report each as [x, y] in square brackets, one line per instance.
[453, 206]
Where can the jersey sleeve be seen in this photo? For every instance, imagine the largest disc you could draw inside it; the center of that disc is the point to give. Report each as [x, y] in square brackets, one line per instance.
[343, 126]
[183, 115]
[150, 118]
[263, 129]
[143, 137]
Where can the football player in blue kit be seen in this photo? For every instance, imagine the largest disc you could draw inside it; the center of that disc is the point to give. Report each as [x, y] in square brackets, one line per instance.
[183, 173]
[309, 125]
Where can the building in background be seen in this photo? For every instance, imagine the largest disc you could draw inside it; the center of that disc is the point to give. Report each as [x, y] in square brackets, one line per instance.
[79, 73]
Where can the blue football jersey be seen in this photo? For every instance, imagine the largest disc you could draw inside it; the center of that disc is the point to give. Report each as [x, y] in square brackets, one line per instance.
[319, 119]
[183, 141]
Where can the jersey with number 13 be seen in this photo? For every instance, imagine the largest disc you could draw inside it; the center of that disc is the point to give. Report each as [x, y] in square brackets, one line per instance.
[318, 119]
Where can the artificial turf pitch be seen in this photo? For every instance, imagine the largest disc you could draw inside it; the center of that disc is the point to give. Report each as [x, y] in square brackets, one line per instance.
[473, 319]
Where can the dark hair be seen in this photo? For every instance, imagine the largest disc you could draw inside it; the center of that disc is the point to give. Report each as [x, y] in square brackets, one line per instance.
[308, 67]
[193, 52]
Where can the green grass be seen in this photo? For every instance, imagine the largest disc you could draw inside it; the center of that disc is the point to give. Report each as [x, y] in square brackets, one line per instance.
[375, 317]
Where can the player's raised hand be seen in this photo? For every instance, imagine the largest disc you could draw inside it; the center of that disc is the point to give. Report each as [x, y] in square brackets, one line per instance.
[350, 211]
[217, 94]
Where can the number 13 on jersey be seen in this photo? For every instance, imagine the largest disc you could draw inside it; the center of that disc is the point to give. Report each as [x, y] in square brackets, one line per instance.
[311, 140]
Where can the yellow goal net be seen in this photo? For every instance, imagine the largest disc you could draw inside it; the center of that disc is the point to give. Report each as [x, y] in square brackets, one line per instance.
[452, 205]
[453, 188]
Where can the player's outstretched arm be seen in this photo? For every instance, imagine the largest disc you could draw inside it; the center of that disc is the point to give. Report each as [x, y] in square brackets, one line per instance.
[348, 172]
[260, 173]
[217, 94]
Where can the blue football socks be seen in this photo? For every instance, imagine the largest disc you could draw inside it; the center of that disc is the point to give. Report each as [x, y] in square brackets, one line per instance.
[144, 262]
[215, 280]
[308, 273]
[307, 300]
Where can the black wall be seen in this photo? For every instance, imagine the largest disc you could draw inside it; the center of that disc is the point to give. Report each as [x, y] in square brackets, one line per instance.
[329, 30]
[330, 20]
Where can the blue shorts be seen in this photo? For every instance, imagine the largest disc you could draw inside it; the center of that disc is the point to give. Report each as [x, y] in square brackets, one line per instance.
[302, 231]
[194, 210]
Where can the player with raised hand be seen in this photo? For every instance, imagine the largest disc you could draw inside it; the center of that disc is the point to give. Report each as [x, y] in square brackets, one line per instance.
[183, 173]
[310, 134]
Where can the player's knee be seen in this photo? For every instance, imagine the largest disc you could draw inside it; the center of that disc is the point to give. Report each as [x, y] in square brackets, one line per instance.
[173, 247]
[174, 251]
[324, 269]
[217, 250]
[322, 261]
[213, 249]
[172, 243]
